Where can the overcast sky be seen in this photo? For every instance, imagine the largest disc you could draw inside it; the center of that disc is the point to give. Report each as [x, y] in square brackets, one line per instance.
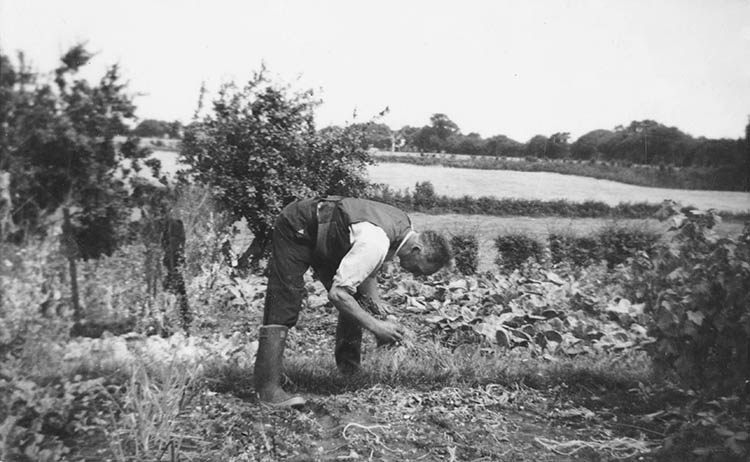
[517, 68]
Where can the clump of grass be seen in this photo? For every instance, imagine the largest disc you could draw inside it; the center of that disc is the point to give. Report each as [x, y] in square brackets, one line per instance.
[145, 420]
[432, 365]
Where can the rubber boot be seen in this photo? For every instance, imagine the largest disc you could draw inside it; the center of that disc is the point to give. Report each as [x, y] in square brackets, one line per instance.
[348, 348]
[267, 373]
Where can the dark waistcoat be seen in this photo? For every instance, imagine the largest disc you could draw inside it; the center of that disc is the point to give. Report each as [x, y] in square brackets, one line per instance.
[336, 214]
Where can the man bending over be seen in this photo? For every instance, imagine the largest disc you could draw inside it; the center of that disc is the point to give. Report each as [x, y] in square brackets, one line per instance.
[346, 241]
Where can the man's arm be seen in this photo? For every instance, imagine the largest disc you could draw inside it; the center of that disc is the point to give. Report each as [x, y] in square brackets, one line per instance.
[385, 331]
[369, 289]
[356, 273]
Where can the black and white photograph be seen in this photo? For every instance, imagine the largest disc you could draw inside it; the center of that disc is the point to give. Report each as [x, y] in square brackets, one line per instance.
[416, 230]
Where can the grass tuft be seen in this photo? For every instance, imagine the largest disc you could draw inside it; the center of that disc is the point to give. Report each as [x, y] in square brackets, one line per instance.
[431, 366]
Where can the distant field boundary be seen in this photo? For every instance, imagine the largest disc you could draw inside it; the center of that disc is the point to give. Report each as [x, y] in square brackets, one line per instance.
[507, 207]
[725, 178]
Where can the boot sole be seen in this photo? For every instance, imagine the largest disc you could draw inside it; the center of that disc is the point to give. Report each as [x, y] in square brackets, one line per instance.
[295, 402]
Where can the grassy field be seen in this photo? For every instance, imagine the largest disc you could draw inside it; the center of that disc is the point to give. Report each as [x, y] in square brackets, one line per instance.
[457, 182]
[723, 178]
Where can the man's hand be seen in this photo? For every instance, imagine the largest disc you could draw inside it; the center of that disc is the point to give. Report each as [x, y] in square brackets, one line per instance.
[387, 332]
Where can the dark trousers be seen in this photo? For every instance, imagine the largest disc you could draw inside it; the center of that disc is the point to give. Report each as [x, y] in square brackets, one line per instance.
[292, 246]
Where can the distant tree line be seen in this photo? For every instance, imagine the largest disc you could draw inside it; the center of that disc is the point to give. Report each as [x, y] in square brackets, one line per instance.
[645, 142]
[641, 142]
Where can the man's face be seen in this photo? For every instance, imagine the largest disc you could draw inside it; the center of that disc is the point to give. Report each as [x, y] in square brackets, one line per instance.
[415, 263]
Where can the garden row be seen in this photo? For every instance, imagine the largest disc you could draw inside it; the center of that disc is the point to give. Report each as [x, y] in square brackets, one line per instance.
[612, 244]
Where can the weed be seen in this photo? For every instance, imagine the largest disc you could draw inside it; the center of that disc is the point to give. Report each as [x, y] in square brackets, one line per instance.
[145, 419]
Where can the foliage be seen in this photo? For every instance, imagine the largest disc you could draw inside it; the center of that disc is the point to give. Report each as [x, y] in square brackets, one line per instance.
[618, 243]
[34, 292]
[578, 250]
[515, 249]
[532, 309]
[435, 137]
[374, 135]
[145, 423]
[697, 290]
[152, 128]
[38, 419]
[477, 344]
[614, 244]
[258, 150]
[553, 147]
[429, 202]
[58, 144]
[424, 196]
[465, 249]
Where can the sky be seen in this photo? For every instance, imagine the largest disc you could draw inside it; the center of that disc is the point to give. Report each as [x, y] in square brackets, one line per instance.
[516, 68]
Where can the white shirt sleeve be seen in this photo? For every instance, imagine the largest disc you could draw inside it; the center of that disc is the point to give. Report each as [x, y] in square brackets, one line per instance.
[369, 248]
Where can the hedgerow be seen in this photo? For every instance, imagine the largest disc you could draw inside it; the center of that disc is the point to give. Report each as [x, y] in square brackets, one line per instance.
[425, 200]
[434, 204]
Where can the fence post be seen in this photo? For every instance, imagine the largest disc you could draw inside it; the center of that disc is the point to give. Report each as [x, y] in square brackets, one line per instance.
[6, 206]
[173, 243]
[70, 249]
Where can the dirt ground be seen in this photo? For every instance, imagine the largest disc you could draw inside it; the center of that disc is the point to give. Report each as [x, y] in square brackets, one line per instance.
[350, 418]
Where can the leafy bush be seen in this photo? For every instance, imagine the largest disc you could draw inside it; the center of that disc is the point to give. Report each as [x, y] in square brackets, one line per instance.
[615, 244]
[697, 290]
[465, 252]
[424, 196]
[259, 150]
[515, 249]
[618, 243]
[39, 417]
[59, 148]
[578, 250]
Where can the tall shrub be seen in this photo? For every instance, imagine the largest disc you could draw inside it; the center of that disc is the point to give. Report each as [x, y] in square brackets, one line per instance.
[424, 196]
[697, 291]
[259, 150]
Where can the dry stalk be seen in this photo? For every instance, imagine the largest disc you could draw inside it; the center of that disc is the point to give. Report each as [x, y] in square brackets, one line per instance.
[619, 448]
